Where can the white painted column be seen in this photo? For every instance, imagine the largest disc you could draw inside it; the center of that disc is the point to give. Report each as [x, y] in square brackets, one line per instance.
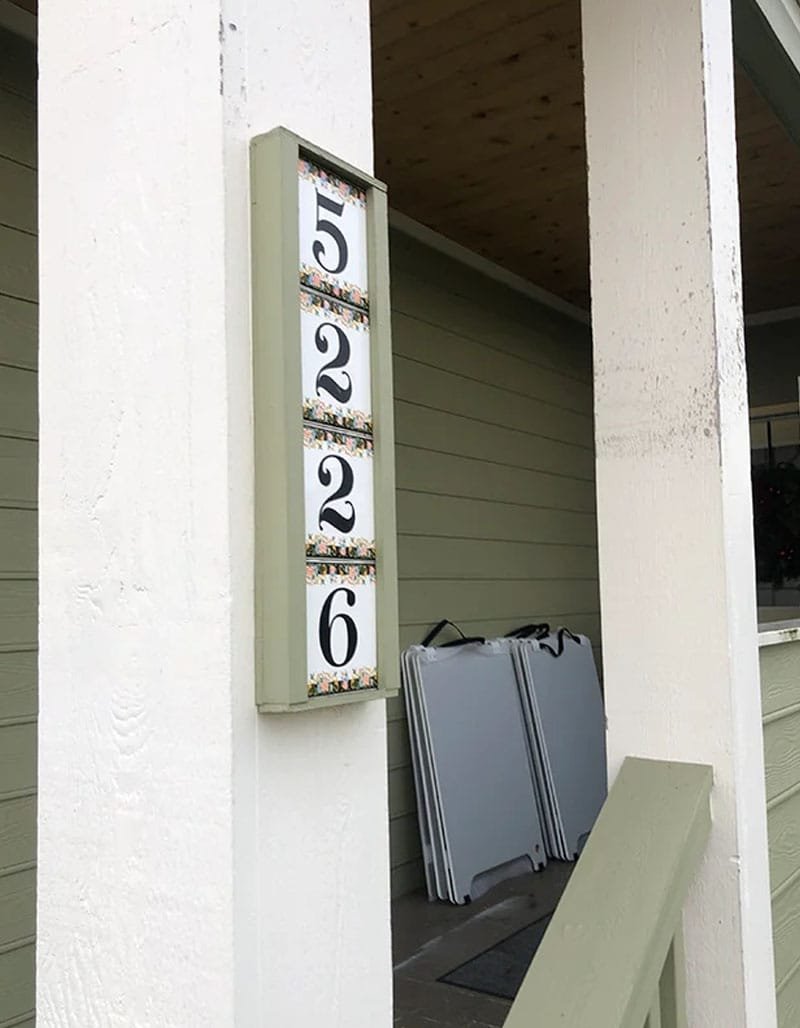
[199, 864]
[673, 463]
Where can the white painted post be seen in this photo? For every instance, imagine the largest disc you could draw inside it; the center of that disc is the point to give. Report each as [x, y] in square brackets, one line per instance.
[199, 864]
[674, 507]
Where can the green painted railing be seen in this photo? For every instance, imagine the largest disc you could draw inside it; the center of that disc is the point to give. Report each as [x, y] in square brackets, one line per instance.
[612, 956]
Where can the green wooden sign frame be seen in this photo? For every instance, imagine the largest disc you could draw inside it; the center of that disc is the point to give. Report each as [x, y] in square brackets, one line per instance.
[280, 554]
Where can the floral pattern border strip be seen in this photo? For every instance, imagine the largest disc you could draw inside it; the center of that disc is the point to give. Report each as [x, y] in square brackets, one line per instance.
[326, 414]
[325, 548]
[326, 683]
[346, 191]
[317, 436]
[347, 317]
[326, 573]
[346, 292]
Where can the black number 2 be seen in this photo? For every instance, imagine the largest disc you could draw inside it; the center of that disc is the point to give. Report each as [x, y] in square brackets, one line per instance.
[343, 389]
[326, 623]
[323, 225]
[327, 513]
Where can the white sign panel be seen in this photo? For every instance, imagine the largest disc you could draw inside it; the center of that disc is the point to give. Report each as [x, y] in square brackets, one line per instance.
[341, 647]
[333, 235]
[341, 626]
[338, 490]
[337, 385]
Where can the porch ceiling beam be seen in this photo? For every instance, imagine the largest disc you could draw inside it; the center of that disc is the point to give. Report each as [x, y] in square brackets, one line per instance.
[766, 36]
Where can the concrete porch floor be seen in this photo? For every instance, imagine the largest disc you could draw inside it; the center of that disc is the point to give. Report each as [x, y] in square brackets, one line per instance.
[431, 939]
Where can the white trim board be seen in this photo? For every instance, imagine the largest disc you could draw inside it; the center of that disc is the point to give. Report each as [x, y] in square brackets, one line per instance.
[772, 317]
[436, 241]
[774, 410]
[776, 632]
[784, 19]
[767, 43]
[443, 244]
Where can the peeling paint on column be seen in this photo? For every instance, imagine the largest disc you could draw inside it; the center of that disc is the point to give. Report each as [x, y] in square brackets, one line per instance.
[677, 573]
[178, 867]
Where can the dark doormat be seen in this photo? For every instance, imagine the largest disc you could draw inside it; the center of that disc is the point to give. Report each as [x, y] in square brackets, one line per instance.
[499, 970]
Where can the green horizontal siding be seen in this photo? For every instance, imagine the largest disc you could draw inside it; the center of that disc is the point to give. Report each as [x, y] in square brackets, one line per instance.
[18, 276]
[18, 413]
[17, 195]
[18, 531]
[18, 333]
[18, 117]
[495, 476]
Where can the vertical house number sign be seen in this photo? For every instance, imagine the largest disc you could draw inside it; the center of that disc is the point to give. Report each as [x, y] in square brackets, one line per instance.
[337, 433]
[331, 344]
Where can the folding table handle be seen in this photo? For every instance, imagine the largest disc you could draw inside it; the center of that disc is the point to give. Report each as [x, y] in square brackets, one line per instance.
[526, 631]
[561, 633]
[453, 642]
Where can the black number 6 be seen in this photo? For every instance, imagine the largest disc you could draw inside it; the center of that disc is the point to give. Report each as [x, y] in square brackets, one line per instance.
[341, 522]
[326, 623]
[340, 392]
[323, 225]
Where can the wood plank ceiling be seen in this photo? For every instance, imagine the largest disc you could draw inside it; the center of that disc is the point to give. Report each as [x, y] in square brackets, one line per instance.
[479, 134]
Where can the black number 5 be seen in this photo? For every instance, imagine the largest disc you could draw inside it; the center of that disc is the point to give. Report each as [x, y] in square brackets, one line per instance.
[326, 623]
[341, 522]
[319, 248]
